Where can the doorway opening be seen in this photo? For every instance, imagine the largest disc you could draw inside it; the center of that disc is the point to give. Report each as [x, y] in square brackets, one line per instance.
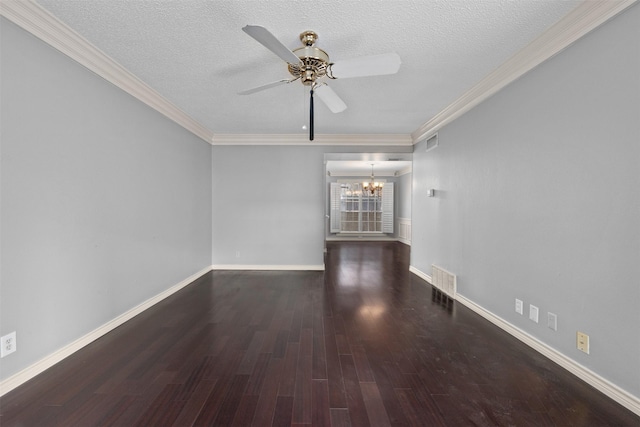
[353, 209]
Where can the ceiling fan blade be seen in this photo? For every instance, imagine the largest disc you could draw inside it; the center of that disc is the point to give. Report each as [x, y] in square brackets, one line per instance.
[374, 65]
[330, 98]
[263, 87]
[268, 40]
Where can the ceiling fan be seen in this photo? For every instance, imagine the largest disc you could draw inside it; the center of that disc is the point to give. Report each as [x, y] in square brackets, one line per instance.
[311, 65]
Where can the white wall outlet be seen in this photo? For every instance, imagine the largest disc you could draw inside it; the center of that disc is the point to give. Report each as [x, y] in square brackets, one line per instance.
[237, 254]
[8, 343]
[533, 313]
[519, 306]
[552, 321]
[582, 340]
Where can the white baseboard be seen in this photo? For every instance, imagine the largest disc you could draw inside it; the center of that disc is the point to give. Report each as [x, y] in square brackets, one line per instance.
[405, 241]
[360, 238]
[420, 274]
[319, 267]
[611, 390]
[66, 351]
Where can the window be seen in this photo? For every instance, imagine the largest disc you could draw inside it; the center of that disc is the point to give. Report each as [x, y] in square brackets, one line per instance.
[356, 211]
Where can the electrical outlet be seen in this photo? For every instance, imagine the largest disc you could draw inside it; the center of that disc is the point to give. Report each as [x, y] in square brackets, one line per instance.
[519, 306]
[582, 342]
[533, 313]
[552, 321]
[8, 344]
[237, 254]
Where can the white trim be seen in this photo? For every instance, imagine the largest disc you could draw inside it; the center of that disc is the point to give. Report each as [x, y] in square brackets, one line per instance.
[420, 274]
[404, 171]
[42, 24]
[404, 230]
[359, 177]
[319, 267]
[66, 351]
[38, 21]
[616, 393]
[584, 18]
[606, 387]
[303, 139]
[361, 237]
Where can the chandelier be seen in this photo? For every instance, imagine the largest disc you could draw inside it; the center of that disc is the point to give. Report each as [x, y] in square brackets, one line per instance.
[372, 187]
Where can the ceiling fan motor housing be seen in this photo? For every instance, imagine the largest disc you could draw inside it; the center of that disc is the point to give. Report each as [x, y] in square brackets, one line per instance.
[313, 61]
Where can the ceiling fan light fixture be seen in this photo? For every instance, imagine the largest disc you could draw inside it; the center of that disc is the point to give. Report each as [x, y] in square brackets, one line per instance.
[308, 38]
[310, 64]
[313, 62]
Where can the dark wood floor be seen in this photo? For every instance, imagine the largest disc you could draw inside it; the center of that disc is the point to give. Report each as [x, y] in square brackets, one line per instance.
[364, 343]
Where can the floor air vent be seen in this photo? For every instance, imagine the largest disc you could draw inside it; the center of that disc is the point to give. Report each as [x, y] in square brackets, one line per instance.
[444, 281]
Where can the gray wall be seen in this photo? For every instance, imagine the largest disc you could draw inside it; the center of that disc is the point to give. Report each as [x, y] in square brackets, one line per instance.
[404, 196]
[537, 198]
[105, 203]
[269, 203]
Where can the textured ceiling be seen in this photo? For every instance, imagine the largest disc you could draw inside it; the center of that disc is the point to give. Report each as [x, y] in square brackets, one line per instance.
[196, 55]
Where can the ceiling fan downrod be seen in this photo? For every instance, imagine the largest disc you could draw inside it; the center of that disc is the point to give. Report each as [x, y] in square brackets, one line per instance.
[311, 117]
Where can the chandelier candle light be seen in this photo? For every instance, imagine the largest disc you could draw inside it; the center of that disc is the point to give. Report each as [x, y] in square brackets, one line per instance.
[372, 187]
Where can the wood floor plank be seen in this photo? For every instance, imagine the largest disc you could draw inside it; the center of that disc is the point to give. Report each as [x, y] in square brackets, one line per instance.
[257, 376]
[406, 401]
[287, 383]
[296, 326]
[320, 415]
[340, 417]
[355, 402]
[251, 354]
[165, 408]
[112, 415]
[194, 405]
[283, 412]
[363, 368]
[374, 405]
[337, 397]
[302, 395]
[231, 401]
[392, 406]
[343, 344]
[246, 410]
[267, 401]
[319, 356]
[213, 402]
[279, 347]
[363, 343]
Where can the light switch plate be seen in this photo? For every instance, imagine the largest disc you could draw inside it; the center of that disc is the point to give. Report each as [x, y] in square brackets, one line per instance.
[8, 344]
[519, 306]
[552, 321]
[582, 342]
[533, 313]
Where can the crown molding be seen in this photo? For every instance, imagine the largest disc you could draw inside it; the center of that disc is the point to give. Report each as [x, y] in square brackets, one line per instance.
[361, 176]
[303, 139]
[36, 20]
[408, 169]
[584, 18]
